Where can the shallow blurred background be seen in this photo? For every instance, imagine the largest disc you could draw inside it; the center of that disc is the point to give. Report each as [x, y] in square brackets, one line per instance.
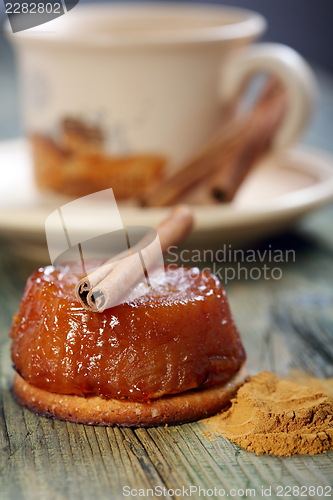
[305, 25]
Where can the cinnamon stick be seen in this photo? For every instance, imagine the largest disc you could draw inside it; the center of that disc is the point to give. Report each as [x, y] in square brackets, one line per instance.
[109, 283]
[201, 165]
[230, 153]
[263, 124]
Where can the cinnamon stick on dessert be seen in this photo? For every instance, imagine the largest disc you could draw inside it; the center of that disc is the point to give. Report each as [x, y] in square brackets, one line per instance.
[105, 286]
[230, 154]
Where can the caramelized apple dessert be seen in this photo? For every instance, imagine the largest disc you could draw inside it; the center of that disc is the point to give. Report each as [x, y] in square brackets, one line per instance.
[170, 356]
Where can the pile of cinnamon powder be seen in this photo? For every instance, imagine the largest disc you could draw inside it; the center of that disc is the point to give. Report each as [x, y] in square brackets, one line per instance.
[272, 415]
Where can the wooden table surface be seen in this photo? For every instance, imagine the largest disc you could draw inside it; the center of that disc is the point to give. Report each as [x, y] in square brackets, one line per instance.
[285, 324]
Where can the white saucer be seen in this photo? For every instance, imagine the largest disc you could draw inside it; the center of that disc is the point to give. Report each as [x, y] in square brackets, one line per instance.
[280, 190]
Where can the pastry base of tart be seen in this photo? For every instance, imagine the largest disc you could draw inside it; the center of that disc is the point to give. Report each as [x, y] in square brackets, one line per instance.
[175, 409]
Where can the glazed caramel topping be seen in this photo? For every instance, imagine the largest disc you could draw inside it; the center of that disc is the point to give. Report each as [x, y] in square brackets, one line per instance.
[178, 337]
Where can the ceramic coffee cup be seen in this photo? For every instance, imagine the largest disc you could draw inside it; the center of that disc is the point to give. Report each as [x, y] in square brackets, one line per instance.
[144, 83]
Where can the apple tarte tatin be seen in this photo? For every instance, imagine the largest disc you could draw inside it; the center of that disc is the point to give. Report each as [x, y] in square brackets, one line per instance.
[172, 355]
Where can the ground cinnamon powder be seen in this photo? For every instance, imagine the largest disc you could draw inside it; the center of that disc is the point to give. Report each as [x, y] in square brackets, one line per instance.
[282, 417]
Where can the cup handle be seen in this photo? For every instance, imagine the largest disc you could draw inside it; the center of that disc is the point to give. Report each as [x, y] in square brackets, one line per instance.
[290, 67]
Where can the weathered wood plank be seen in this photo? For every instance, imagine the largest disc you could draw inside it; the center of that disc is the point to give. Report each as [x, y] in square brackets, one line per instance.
[148, 467]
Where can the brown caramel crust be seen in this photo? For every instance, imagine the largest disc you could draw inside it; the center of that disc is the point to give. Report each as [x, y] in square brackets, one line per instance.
[184, 407]
[180, 336]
